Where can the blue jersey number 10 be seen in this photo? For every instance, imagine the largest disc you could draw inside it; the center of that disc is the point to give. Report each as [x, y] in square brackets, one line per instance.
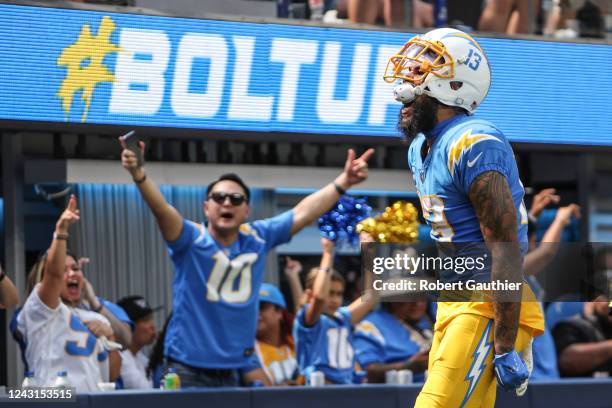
[222, 285]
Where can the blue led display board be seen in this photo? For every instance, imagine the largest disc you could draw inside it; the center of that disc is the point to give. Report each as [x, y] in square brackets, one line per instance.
[74, 66]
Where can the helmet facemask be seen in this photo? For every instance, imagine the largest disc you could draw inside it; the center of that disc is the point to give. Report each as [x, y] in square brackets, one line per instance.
[431, 57]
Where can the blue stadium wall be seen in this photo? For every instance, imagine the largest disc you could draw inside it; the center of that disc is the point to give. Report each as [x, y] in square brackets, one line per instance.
[67, 67]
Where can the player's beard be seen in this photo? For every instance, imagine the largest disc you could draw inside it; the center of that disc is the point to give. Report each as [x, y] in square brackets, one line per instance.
[423, 119]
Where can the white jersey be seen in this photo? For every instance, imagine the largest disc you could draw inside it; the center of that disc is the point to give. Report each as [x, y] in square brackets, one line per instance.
[134, 370]
[58, 340]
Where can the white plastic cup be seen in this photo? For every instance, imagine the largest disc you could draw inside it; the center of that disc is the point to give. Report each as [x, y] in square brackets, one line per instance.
[405, 377]
[392, 377]
[107, 386]
[316, 379]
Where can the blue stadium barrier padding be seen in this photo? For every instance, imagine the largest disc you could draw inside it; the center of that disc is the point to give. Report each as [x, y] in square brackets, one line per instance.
[367, 396]
[575, 393]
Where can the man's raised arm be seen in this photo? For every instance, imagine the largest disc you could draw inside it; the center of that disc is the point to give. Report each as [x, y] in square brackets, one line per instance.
[318, 203]
[169, 220]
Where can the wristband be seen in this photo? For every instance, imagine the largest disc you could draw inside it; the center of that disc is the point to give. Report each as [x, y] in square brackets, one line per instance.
[97, 310]
[60, 236]
[339, 189]
[142, 180]
[326, 269]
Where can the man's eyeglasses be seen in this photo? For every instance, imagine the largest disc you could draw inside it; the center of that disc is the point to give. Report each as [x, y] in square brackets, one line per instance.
[235, 198]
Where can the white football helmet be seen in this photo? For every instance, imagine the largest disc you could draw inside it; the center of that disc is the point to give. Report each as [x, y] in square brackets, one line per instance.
[453, 68]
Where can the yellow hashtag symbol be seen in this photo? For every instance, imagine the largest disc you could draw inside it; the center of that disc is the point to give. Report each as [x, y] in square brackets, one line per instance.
[85, 67]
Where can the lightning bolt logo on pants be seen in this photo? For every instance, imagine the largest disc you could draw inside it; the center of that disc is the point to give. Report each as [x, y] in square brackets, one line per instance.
[478, 361]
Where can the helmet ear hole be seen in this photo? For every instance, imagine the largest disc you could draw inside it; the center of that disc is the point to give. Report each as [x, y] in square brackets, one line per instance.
[456, 85]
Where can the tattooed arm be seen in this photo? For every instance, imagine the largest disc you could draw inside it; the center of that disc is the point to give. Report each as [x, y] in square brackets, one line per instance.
[492, 200]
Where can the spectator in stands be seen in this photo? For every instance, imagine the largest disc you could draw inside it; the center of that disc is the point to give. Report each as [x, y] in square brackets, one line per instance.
[538, 257]
[8, 292]
[589, 14]
[134, 362]
[274, 348]
[212, 331]
[584, 343]
[119, 320]
[323, 330]
[155, 368]
[397, 336]
[508, 16]
[57, 335]
[389, 12]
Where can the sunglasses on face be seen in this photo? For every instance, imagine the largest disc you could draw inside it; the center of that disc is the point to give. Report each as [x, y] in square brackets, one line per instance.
[235, 198]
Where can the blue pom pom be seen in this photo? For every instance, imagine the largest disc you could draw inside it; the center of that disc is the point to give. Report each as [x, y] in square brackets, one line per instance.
[339, 223]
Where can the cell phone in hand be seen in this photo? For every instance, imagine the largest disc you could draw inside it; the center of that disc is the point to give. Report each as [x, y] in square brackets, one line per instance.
[132, 142]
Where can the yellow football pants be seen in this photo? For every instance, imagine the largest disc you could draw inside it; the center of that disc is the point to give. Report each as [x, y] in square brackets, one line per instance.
[460, 369]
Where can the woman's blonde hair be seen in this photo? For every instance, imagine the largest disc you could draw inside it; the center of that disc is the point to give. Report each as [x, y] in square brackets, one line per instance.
[38, 271]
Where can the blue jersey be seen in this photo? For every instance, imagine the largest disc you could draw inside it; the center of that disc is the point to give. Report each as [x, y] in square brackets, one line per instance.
[326, 346]
[216, 290]
[463, 147]
[383, 339]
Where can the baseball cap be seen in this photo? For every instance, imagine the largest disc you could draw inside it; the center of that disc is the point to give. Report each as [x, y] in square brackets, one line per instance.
[136, 307]
[270, 294]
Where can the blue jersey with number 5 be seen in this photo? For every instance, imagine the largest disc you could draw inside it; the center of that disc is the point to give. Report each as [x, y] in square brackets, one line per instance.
[216, 290]
[462, 148]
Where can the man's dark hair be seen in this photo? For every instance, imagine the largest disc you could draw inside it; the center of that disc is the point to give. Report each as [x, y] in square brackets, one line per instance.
[231, 177]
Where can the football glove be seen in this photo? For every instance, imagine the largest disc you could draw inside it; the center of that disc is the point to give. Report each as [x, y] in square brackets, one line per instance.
[510, 370]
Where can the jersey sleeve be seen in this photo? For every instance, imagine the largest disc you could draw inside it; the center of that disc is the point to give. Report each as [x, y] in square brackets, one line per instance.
[190, 233]
[473, 153]
[369, 344]
[276, 230]
[346, 315]
[300, 324]
[35, 314]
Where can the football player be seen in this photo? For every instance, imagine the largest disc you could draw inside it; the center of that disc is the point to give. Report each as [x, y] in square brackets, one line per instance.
[470, 192]
[219, 267]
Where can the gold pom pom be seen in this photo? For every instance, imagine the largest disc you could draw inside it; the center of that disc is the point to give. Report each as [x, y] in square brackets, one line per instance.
[399, 224]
